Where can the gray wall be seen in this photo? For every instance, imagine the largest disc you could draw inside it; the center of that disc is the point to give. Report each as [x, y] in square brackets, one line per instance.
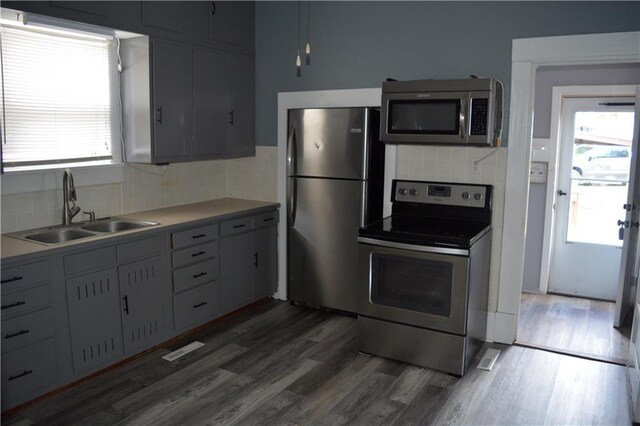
[546, 79]
[359, 44]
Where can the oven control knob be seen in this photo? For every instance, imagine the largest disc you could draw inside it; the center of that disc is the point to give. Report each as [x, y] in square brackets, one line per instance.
[477, 196]
[465, 195]
[402, 191]
[413, 192]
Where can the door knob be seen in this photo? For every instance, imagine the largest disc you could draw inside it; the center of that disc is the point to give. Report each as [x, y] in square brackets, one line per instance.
[623, 223]
[561, 192]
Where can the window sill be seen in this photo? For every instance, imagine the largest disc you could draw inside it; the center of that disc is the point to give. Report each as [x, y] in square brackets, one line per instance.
[16, 182]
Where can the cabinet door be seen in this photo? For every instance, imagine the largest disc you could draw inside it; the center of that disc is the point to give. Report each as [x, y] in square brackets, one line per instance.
[210, 101]
[241, 134]
[233, 23]
[265, 247]
[141, 291]
[236, 260]
[172, 100]
[94, 319]
[167, 15]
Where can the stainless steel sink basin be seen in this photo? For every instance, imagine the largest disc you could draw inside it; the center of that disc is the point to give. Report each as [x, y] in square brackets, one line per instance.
[116, 225]
[58, 235]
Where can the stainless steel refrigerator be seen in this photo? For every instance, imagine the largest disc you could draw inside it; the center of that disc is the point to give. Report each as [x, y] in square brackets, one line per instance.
[335, 185]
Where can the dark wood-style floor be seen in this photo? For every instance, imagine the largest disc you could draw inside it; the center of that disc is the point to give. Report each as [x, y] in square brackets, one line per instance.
[573, 325]
[283, 364]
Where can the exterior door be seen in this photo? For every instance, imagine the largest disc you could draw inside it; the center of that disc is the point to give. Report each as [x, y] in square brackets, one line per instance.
[593, 176]
[630, 264]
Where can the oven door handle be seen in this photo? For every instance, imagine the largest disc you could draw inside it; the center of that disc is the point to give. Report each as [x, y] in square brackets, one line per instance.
[414, 247]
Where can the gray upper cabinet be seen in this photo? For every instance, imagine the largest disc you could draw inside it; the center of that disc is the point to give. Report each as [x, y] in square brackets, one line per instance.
[232, 23]
[211, 109]
[172, 100]
[241, 131]
[171, 16]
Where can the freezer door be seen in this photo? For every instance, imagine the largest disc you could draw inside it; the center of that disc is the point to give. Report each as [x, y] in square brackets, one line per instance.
[328, 143]
[324, 217]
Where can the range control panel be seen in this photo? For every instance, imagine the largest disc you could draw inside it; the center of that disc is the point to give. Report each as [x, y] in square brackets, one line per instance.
[449, 194]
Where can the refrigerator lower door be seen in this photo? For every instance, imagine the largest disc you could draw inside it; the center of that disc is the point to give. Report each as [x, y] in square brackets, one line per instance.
[324, 216]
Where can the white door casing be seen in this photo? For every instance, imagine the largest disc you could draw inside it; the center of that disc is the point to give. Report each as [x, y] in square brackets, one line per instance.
[527, 56]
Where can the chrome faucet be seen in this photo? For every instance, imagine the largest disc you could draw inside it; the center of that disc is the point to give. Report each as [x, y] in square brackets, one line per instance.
[69, 198]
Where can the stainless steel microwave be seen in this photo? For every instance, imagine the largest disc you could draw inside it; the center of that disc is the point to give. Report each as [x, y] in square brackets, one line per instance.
[445, 112]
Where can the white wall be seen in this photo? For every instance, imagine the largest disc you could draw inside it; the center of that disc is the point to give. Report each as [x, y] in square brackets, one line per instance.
[148, 187]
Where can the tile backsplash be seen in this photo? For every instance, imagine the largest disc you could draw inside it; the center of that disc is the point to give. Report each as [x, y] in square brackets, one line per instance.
[468, 165]
[148, 187]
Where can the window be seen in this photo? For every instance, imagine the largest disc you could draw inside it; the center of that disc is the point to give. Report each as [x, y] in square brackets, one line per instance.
[56, 98]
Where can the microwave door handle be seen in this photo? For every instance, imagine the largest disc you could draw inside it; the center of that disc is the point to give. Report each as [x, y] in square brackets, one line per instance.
[463, 127]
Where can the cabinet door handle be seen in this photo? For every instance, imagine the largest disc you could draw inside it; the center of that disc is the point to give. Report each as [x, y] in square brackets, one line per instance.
[159, 115]
[199, 305]
[213, 8]
[16, 334]
[238, 226]
[199, 236]
[13, 305]
[269, 219]
[201, 274]
[126, 304]
[200, 253]
[256, 262]
[231, 117]
[24, 373]
[10, 280]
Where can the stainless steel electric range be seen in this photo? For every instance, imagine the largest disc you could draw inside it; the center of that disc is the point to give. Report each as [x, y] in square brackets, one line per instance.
[424, 275]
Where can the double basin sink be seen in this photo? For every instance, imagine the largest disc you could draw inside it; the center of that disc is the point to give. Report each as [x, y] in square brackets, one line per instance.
[63, 233]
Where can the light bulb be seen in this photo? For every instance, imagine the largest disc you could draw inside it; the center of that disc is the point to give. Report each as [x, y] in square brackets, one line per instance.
[307, 49]
[298, 60]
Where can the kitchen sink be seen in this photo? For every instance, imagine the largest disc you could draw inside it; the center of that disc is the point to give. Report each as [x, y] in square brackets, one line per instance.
[58, 235]
[63, 233]
[116, 225]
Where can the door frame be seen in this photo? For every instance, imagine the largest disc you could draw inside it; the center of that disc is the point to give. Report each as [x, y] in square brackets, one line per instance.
[527, 56]
[555, 140]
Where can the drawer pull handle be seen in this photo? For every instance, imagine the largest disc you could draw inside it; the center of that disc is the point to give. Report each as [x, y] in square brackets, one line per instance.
[199, 236]
[199, 305]
[201, 274]
[200, 253]
[16, 334]
[269, 219]
[238, 226]
[13, 305]
[10, 280]
[24, 373]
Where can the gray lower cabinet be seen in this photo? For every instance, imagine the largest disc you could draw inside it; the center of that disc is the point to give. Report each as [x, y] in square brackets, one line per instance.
[237, 270]
[29, 362]
[142, 304]
[265, 246]
[94, 319]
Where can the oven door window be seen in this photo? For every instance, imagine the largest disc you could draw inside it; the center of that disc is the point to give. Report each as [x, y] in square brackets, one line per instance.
[415, 284]
[434, 116]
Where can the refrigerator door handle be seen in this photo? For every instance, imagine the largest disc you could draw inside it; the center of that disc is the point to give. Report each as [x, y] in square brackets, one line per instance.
[291, 152]
[291, 201]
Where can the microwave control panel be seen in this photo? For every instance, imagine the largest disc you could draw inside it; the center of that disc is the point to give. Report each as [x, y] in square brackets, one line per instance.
[479, 114]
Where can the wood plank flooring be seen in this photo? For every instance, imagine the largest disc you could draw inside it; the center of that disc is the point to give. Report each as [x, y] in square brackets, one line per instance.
[283, 364]
[572, 325]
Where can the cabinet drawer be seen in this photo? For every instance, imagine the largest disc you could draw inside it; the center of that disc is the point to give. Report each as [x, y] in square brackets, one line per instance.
[197, 305]
[89, 260]
[25, 329]
[236, 226]
[28, 371]
[140, 249]
[194, 254]
[193, 236]
[26, 300]
[265, 219]
[23, 276]
[194, 275]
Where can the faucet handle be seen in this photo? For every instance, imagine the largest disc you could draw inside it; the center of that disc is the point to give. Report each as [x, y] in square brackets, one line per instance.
[92, 216]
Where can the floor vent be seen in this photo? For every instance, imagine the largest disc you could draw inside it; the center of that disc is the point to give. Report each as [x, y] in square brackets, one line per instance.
[488, 359]
[183, 351]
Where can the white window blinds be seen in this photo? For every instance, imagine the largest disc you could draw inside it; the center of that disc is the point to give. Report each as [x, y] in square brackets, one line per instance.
[56, 98]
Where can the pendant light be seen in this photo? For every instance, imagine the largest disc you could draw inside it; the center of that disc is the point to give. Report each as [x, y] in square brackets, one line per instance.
[307, 48]
[298, 59]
